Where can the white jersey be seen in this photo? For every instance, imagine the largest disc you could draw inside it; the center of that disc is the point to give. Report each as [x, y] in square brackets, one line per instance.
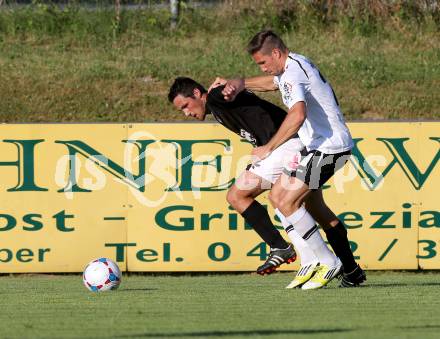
[324, 128]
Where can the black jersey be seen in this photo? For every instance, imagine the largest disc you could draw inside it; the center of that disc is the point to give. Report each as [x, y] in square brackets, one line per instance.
[251, 117]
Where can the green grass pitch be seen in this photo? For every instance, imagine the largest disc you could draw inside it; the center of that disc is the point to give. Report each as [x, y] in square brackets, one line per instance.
[390, 305]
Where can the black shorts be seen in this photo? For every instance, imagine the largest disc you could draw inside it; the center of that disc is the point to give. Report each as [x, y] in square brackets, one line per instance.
[316, 168]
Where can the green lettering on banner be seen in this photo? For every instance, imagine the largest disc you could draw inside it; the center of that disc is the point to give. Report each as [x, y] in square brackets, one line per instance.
[185, 164]
[429, 248]
[36, 225]
[388, 249]
[400, 157]
[406, 216]
[354, 246]
[32, 222]
[384, 216]
[277, 219]
[60, 218]
[259, 251]
[120, 247]
[11, 222]
[403, 159]
[233, 220]
[5, 255]
[78, 147]
[433, 221]
[187, 223]
[221, 247]
[143, 255]
[206, 220]
[25, 166]
[247, 226]
[428, 219]
[41, 253]
[167, 252]
[348, 217]
[25, 255]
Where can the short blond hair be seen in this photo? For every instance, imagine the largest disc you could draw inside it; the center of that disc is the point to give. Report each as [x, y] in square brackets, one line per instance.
[264, 42]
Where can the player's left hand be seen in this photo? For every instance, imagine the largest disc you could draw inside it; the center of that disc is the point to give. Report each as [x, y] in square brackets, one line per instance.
[260, 153]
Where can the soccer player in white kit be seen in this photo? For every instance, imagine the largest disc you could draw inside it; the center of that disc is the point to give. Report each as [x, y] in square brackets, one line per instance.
[314, 113]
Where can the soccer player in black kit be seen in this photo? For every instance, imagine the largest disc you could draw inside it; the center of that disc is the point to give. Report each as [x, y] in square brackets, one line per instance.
[257, 121]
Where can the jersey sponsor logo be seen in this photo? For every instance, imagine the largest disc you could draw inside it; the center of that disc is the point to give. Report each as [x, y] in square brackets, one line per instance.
[249, 137]
[256, 164]
[286, 92]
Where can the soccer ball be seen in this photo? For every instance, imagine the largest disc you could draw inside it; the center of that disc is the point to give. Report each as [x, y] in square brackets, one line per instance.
[101, 275]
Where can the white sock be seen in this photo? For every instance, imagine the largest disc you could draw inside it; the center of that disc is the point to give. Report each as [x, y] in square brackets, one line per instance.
[305, 225]
[306, 254]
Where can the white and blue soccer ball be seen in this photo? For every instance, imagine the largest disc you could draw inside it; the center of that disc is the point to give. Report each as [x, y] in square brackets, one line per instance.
[102, 275]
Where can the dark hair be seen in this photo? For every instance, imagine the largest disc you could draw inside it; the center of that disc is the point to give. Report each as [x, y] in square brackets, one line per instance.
[185, 87]
[264, 42]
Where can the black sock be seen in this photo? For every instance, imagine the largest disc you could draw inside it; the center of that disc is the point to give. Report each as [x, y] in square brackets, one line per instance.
[256, 216]
[337, 238]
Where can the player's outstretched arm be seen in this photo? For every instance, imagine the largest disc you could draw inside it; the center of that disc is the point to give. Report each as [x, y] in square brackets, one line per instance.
[258, 84]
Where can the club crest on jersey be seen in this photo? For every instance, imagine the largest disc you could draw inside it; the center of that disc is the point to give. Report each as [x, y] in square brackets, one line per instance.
[246, 135]
[287, 91]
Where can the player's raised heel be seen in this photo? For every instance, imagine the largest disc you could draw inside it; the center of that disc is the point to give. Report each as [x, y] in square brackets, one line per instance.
[290, 260]
[303, 275]
[324, 274]
[276, 258]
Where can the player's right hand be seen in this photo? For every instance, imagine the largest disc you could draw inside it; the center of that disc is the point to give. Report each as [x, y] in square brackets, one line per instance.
[217, 82]
[232, 88]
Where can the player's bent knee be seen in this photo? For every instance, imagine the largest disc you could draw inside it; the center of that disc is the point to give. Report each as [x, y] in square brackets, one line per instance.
[231, 197]
[274, 198]
[284, 208]
[235, 195]
[287, 207]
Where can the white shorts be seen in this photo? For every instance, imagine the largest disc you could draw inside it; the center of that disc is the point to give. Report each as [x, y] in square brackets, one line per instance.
[286, 155]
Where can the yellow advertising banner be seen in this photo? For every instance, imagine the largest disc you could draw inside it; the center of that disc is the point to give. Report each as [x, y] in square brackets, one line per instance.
[152, 197]
[428, 214]
[56, 201]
